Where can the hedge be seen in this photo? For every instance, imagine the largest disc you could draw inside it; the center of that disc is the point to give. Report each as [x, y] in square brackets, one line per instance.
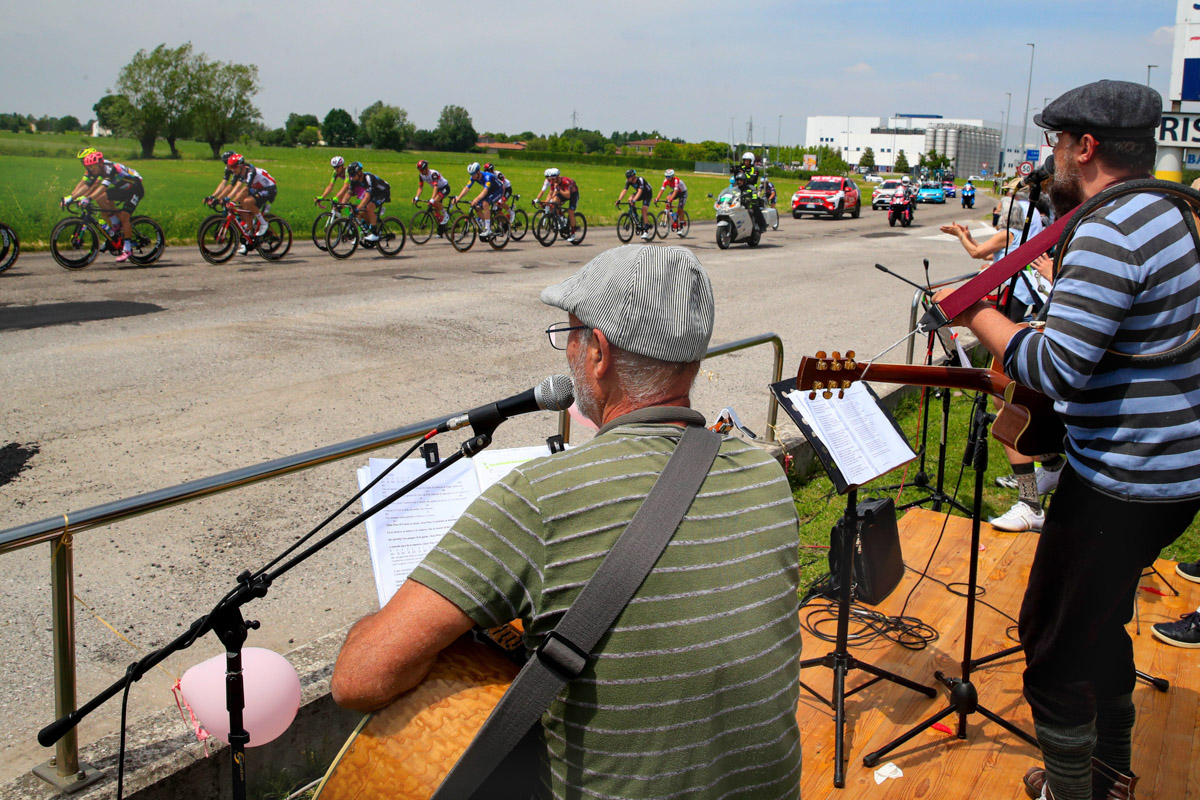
[645, 162]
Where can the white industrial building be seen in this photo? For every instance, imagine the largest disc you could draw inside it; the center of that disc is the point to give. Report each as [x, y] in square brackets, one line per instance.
[972, 145]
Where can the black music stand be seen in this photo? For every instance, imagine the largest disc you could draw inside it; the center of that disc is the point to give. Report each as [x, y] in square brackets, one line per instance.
[839, 659]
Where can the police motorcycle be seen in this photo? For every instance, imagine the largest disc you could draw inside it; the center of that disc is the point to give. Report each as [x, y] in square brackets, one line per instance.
[968, 196]
[900, 207]
[735, 220]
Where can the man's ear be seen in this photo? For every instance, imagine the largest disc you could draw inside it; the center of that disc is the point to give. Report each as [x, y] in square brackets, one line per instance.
[599, 353]
[1086, 148]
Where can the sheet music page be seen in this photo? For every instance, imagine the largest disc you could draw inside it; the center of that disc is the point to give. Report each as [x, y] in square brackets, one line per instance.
[821, 415]
[400, 536]
[492, 465]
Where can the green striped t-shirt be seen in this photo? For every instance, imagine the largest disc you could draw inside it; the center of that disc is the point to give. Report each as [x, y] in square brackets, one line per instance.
[693, 692]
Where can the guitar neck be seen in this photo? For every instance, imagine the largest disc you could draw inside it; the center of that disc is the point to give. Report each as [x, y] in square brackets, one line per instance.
[966, 378]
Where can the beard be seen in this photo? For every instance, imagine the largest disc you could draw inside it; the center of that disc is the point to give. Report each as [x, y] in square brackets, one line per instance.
[1066, 188]
[585, 398]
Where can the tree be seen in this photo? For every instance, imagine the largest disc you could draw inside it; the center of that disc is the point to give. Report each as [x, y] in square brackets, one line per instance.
[713, 151]
[901, 162]
[339, 129]
[223, 107]
[176, 88]
[67, 124]
[454, 131]
[423, 139]
[158, 87]
[666, 150]
[296, 123]
[867, 159]
[387, 126]
[111, 110]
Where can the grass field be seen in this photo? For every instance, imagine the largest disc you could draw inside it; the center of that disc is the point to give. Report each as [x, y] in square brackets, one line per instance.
[38, 169]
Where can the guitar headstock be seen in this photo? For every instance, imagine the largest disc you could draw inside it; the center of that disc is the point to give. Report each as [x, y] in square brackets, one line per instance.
[826, 375]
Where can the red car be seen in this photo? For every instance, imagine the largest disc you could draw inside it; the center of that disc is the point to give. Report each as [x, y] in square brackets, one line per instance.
[827, 195]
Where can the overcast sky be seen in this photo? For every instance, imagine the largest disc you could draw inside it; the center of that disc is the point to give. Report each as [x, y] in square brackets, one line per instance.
[683, 68]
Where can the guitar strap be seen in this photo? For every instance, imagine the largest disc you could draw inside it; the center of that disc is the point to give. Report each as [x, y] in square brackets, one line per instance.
[565, 651]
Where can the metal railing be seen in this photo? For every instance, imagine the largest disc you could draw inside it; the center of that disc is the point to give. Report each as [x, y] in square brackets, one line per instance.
[63, 769]
[918, 305]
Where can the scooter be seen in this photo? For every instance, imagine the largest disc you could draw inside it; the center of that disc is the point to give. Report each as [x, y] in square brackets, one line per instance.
[968, 197]
[900, 209]
[735, 223]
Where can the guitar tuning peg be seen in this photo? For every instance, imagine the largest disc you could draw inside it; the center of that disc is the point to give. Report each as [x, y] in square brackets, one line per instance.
[845, 385]
[812, 395]
[827, 394]
[836, 366]
[818, 385]
[821, 354]
[836, 355]
[841, 394]
[822, 364]
[850, 354]
[851, 364]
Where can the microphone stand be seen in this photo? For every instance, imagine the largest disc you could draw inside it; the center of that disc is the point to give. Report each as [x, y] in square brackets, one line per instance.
[231, 628]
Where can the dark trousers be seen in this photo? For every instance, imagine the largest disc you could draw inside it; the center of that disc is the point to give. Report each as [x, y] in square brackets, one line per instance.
[1091, 554]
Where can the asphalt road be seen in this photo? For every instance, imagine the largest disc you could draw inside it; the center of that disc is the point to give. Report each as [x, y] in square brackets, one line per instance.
[121, 380]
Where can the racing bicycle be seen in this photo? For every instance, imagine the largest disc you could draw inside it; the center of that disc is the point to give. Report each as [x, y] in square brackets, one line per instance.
[549, 222]
[631, 222]
[464, 228]
[349, 230]
[220, 233]
[10, 247]
[77, 240]
[670, 221]
[424, 222]
[323, 222]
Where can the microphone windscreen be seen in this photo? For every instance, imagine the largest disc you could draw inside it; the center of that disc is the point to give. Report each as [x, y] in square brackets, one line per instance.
[555, 393]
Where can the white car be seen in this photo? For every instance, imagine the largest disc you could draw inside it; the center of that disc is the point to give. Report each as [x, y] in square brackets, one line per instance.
[873, 178]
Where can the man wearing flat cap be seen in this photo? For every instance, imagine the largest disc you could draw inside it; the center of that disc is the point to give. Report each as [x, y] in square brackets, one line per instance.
[1114, 356]
[693, 690]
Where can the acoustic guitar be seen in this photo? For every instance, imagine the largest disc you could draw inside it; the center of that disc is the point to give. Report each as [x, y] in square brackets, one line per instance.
[1027, 423]
[405, 751]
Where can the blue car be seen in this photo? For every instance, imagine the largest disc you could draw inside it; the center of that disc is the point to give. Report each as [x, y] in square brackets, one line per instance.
[931, 193]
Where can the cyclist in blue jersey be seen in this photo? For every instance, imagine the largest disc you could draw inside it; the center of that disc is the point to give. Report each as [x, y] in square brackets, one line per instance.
[639, 192]
[490, 195]
[372, 192]
[107, 183]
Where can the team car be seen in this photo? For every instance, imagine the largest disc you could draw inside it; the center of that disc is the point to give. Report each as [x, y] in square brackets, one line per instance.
[827, 195]
[931, 193]
[882, 195]
[948, 188]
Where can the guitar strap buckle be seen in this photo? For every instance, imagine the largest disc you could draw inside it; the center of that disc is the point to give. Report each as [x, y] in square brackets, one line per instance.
[561, 656]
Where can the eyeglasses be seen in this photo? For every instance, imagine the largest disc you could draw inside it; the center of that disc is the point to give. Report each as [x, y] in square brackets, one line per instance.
[560, 333]
[1052, 137]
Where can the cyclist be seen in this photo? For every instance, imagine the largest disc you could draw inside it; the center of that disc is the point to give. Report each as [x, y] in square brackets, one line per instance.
[506, 185]
[678, 191]
[441, 188]
[639, 191]
[339, 174]
[108, 183]
[561, 188]
[372, 192]
[251, 189]
[768, 191]
[491, 193]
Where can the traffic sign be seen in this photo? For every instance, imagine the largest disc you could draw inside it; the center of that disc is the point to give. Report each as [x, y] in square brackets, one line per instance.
[1025, 169]
[983, 172]
[1032, 154]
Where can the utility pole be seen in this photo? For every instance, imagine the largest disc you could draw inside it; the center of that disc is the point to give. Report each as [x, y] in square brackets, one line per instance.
[1004, 134]
[1028, 89]
[574, 119]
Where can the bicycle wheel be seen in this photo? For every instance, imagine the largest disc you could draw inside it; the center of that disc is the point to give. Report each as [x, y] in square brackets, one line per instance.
[519, 225]
[10, 247]
[74, 243]
[422, 226]
[341, 240]
[391, 237]
[277, 241]
[462, 233]
[500, 232]
[625, 227]
[684, 223]
[217, 240]
[662, 225]
[580, 229]
[148, 241]
[320, 226]
[544, 229]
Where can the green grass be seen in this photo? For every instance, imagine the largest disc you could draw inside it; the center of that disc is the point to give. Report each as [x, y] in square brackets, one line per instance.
[38, 169]
[819, 507]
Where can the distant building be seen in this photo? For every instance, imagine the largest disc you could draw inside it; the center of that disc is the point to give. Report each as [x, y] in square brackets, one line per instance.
[99, 130]
[969, 143]
[486, 144]
[642, 147]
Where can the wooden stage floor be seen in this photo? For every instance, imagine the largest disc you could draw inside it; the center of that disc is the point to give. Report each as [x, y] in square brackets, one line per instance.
[989, 763]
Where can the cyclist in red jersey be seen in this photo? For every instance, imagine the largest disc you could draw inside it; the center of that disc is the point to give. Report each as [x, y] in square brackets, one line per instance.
[561, 188]
[441, 188]
[253, 189]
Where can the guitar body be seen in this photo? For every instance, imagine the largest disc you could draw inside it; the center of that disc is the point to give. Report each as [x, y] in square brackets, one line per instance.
[405, 751]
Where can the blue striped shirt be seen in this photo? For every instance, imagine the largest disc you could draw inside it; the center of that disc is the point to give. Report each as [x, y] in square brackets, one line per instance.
[1129, 285]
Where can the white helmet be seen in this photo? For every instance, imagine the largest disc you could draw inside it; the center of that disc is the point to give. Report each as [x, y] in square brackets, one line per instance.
[473, 167]
[552, 172]
[336, 161]
[669, 173]
[905, 179]
[747, 156]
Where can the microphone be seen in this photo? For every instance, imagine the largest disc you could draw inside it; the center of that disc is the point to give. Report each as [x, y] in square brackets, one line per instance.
[555, 393]
[1046, 170]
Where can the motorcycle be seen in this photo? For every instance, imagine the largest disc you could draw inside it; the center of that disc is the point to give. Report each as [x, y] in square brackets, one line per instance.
[968, 197]
[735, 223]
[900, 209]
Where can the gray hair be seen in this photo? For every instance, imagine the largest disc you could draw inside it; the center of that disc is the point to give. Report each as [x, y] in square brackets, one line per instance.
[643, 379]
[1009, 204]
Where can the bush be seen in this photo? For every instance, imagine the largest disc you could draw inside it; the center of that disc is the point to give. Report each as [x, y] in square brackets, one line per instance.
[644, 162]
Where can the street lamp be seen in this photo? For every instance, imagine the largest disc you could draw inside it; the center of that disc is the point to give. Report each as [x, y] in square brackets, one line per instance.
[1148, 68]
[1028, 89]
[1004, 134]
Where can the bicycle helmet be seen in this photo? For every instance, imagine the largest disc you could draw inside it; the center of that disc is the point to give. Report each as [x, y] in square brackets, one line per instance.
[629, 173]
[552, 172]
[85, 152]
[473, 167]
[488, 167]
[225, 156]
[94, 157]
[355, 167]
[234, 160]
[336, 161]
[669, 173]
[422, 164]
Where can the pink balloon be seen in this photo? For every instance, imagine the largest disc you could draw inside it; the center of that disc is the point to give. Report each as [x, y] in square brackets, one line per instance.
[578, 416]
[272, 694]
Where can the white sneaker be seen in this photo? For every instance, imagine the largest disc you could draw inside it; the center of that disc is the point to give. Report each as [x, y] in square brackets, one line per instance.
[261, 229]
[1047, 481]
[1021, 517]
[571, 238]
[371, 237]
[241, 251]
[646, 236]
[1007, 481]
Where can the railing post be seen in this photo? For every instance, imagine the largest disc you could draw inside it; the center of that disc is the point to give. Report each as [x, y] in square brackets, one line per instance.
[64, 770]
[772, 403]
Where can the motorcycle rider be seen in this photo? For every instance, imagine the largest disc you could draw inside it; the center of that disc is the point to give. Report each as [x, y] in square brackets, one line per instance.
[968, 194]
[747, 178]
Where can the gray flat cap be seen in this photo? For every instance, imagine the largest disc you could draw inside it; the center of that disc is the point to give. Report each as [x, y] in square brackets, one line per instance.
[1113, 109]
[654, 301]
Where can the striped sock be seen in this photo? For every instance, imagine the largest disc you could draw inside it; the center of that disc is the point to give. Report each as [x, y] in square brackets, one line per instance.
[1114, 732]
[1067, 754]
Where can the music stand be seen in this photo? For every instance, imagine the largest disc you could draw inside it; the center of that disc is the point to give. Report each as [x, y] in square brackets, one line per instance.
[839, 659]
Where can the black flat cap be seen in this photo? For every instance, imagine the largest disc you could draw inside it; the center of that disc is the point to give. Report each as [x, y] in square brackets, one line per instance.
[1112, 109]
